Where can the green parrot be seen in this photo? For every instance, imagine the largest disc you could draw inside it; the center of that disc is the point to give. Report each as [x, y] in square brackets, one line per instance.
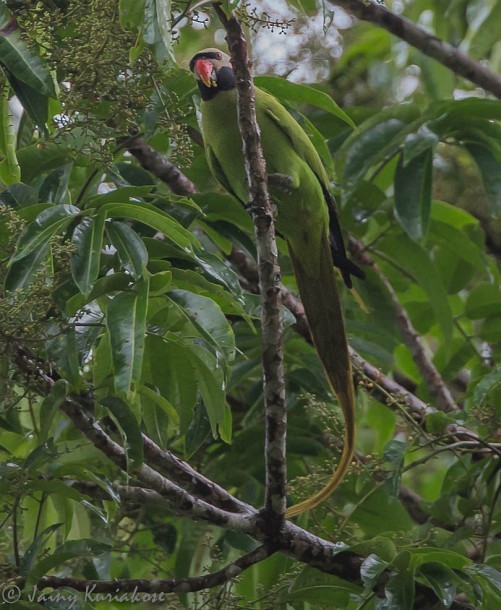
[306, 218]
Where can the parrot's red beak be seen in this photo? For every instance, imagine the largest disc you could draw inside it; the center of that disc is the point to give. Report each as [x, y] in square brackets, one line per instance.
[205, 71]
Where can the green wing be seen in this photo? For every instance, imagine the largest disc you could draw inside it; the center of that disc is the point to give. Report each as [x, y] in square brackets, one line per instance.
[295, 134]
[218, 173]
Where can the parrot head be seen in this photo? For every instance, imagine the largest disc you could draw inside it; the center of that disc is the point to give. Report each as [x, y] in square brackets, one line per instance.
[213, 72]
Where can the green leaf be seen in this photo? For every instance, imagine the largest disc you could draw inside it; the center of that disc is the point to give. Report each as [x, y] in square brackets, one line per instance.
[128, 424]
[484, 31]
[286, 91]
[483, 300]
[29, 558]
[168, 367]
[198, 431]
[413, 194]
[318, 588]
[371, 568]
[158, 220]
[160, 283]
[126, 322]
[156, 30]
[416, 144]
[441, 579]
[218, 271]
[21, 273]
[210, 377]
[37, 159]
[457, 242]
[416, 261]
[161, 402]
[400, 592]
[130, 247]
[488, 573]
[50, 406]
[194, 282]
[35, 104]
[366, 150]
[489, 165]
[10, 169]
[487, 384]
[85, 260]
[38, 233]
[20, 58]
[55, 187]
[105, 285]
[131, 13]
[66, 551]
[381, 546]
[207, 316]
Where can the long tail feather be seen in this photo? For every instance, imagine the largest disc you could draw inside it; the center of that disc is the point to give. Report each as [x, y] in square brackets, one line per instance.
[320, 298]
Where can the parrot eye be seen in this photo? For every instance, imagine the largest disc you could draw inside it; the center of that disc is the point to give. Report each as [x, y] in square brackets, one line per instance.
[219, 56]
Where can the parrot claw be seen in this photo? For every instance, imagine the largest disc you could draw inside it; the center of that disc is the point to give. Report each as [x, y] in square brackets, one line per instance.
[257, 210]
[281, 182]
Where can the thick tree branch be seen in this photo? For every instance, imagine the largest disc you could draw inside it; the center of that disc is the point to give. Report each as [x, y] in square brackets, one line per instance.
[160, 167]
[425, 42]
[148, 590]
[78, 409]
[180, 471]
[269, 274]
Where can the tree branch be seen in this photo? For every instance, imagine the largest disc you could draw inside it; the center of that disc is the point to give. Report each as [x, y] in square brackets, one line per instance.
[425, 42]
[145, 588]
[78, 409]
[269, 274]
[428, 370]
[160, 167]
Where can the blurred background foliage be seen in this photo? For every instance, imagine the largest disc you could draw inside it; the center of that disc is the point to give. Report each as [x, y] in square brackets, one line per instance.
[166, 327]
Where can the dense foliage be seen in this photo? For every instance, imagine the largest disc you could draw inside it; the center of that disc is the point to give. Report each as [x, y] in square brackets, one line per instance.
[142, 306]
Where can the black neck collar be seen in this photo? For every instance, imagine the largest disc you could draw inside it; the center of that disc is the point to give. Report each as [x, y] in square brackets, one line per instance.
[225, 82]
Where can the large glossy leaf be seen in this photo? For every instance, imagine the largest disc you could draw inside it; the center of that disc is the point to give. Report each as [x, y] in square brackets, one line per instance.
[413, 194]
[168, 367]
[369, 148]
[416, 261]
[35, 104]
[126, 322]
[20, 59]
[489, 165]
[21, 272]
[127, 422]
[88, 241]
[37, 159]
[10, 171]
[64, 552]
[483, 300]
[207, 316]
[484, 31]
[131, 13]
[156, 32]
[287, 91]
[400, 591]
[158, 220]
[106, 285]
[130, 247]
[38, 233]
[187, 279]
[210, 376]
